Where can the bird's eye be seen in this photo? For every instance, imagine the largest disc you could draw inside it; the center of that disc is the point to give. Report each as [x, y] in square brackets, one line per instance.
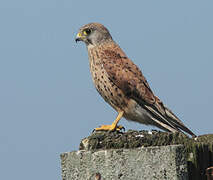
[87, 32]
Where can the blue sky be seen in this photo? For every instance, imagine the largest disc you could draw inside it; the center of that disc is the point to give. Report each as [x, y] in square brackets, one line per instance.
[47, 99]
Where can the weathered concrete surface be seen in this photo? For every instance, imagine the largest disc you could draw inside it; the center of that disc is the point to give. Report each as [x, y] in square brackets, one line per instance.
[198, 152]
[165, 162]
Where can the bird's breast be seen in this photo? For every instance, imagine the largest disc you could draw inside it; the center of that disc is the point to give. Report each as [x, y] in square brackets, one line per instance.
[104, 85]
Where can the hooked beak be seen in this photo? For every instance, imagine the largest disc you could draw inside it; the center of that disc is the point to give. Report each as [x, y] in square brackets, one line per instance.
[78, 37]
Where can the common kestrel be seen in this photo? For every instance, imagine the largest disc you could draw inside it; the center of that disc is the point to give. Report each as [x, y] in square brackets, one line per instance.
[120, 82]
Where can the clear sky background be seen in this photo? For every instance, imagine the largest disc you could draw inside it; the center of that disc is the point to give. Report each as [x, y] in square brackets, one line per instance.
[47, 99]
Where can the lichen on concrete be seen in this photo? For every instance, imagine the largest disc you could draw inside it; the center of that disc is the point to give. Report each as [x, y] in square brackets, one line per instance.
[139, 155]
[199, 151]
[132, 139]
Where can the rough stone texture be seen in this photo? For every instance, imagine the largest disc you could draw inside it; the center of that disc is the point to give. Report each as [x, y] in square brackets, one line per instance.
[199, 151]
[132, 139]
[165, 162]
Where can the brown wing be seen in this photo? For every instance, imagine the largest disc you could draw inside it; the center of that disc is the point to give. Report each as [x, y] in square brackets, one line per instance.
[127, 76]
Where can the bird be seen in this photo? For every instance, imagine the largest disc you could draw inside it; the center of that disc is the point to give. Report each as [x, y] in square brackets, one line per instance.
[121, 83]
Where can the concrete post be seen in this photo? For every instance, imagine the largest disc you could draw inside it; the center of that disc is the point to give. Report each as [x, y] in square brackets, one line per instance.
[139, 155]
[165, 162]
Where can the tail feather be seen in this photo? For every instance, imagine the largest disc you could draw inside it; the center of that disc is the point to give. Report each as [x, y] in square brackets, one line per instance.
[177, 122]
[160, 120]
[167, 120]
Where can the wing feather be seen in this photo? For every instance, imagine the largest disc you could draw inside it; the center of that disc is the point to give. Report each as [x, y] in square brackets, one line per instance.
[127, 77]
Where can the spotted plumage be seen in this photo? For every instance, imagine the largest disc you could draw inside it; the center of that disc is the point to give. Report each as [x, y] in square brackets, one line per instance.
[121, 83]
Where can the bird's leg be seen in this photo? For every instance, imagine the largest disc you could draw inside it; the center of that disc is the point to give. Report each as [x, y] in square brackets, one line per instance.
[113, 126]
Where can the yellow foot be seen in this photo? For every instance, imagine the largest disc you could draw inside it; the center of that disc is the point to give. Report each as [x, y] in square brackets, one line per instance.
[111, 127]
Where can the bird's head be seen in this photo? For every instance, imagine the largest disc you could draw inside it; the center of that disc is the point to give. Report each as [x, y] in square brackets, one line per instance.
[93, 34]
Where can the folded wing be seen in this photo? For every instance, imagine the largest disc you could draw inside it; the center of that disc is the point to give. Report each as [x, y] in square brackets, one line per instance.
[127, 77]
